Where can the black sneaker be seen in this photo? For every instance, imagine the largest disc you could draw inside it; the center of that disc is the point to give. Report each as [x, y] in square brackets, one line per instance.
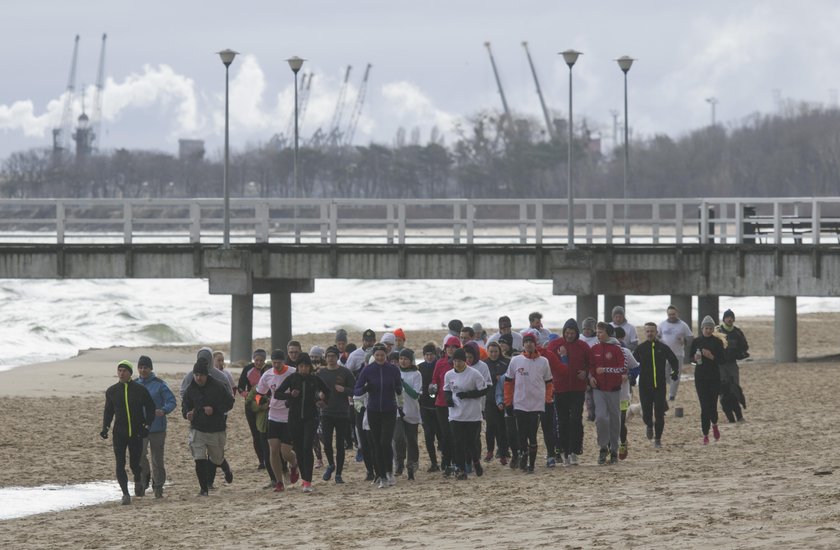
[229, 476]
[530, 469]
[479, 469]
[649, 432]
[448, 471]
[461, 476]
[602, 455]
[203, 494]
[139, 489]
[126, 499]
[514, 462]
[523, 464]
[613, 458]
[433, 468]
[399, 470]
[370, 476]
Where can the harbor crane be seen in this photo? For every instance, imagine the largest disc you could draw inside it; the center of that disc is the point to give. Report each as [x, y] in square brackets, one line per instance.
[508, 123]
[548, 124]
[357, 110]
[62, 134]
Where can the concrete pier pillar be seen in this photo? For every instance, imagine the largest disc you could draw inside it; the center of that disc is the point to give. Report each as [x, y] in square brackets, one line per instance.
[683, 304]
[610, 301]
[281, 319]
[241, 327]
[708, 305]
[784, 329]
[587, 306]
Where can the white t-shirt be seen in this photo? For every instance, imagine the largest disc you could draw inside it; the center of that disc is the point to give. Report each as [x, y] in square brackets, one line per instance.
[270, 380]
[411, 407]
[529, 377]
[517, 339]
[630, 339]
[590, 340]
[676, 336]
[631, 363]
[465, 410]
[356, 361]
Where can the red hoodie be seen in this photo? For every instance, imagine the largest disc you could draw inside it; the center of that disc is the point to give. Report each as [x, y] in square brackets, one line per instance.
[566, 374]
[443, 366]
[610, 358]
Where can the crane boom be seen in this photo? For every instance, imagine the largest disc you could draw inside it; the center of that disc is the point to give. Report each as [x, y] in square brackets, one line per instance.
[499, 84]
[61, 135]
[549, 126]
[357, 110]
[335, 124]
[96, 119]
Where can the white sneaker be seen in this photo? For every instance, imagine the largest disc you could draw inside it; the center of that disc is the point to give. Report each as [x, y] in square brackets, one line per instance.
[382, 484]
[391, 480]
[567, 460]
[573, 459]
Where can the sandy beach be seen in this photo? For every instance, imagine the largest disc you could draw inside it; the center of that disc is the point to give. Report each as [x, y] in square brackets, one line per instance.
[772, 481]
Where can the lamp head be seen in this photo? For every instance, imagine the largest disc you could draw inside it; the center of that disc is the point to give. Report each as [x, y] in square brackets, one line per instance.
[625, 62]
[570, 57]
[295, 63]
[227, 56]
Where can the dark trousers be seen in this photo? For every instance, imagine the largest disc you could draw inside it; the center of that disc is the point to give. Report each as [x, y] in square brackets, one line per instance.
[707, 393]
[266, 456]
[527, 423]
[382, 433]
[512, 433]
[405, 442]
[134, 445]
[548, 421]
[569, 407]
[251, 418]
[464, 435]
[495, 435]
[303, 437]
[653, 408]
[431, 432]
[730, 391]
[338, 425]
[442, 414]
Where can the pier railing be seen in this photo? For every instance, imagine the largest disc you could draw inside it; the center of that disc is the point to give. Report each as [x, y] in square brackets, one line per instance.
[442, 221]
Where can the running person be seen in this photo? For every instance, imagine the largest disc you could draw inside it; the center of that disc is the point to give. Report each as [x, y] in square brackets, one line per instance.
[708, 352]
[279, 436]
[153, 444]
[464, 388]
[675, 334]
[335, 417]
[731, 394]
[132, 409]
[431, 430]
[607, 371]
[653, 357]
[443, 366]
[248, 378]
[405, 432]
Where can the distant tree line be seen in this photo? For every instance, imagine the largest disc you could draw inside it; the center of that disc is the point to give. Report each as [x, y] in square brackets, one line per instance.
[796, 152]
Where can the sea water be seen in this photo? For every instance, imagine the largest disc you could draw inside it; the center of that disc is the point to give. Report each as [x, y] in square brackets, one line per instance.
[17, 502]
[54, 319]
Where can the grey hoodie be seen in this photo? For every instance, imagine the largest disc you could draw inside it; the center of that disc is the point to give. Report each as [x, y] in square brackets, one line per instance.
[212, 371]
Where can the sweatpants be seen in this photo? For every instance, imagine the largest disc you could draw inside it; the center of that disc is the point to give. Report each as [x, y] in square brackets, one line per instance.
[431, 432]
[495, 434]
[153, 445]
[463, 435]
[134, 445]
[442, 414]
[569, 407]
[707, 393]
[382, 433]
[653, 409]
[607, 418]
[730, 391]
[527, 423]
[303, 437]
[548, 422]
[335, 425]
[251, 418]
[405, 442]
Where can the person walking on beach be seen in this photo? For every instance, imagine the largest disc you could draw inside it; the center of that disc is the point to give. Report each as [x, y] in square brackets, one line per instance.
[630, 339]
[154, 443]
[654, 357]
[205, 403]
[626, 394]
[505, 328]
[707, 350]
[527, 391]
[214, 373]
[731, 395]
[443, 366]
[219, 363]
[464, 388]
[607, 371]
[132, 410]
[535, 325]
[405, 430]
[248, 378]
[335, 418]
[431, 430]
[279, 435]
[495, 433]
[305, 393]
[381, 381]
[676, 334]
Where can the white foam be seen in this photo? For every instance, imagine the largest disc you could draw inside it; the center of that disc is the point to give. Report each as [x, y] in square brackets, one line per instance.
[17, 502]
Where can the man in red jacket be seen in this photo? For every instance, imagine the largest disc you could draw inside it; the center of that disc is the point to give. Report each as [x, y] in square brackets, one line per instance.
[443, 366]
[607, 372]
[569, 366]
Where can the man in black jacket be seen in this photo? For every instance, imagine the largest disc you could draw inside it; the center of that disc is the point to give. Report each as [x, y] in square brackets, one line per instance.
[205, 403]
[132, 409]
[731, 395]
[653, 357]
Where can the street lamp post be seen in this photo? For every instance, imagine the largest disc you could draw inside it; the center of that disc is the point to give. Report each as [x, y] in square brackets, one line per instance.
[570, 57]
[624, 63]
[227, 58]
[713, 101]
[295, 63]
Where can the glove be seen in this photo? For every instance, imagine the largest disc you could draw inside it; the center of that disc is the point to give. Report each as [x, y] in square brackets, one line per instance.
[509, 410]
[143, 432]
[461, 395]
[401, 411]
[632, 380]
[104, 433]
[675, 377]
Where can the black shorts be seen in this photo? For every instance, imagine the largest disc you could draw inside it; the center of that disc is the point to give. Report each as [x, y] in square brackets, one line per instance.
[279, 430]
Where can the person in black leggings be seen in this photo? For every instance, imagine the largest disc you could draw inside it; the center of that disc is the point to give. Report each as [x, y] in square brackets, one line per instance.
[707, 351]
[248, 378]
[335, 418]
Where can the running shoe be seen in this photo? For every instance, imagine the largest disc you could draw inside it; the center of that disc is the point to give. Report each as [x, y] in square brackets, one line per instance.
[461, 476]
[307, 487]
[398, 471]
[370, 477]
[229, 476]
[573, 459]
[530, 470]
[201, 494]
[657, 444]
[741, 420]
[566, 461]
[359, 456]
[613, 458]
[126, 499]
[550, 462]
[338, 479]
[261, 466]
[411, 473]
[279, 487]
[523, 463]
[319, 463]
[705, 440]
[139, 489]
[391, 479]
[433, 468]
[489, 456]
[447, 472]
[382, 484]
[602, 455]
[622, 451]
[376, 481]
[479, 469]
[514, 462]
[328, 472]
[715, 432]
[158, 492]
[503, 460]
[649, 432]
[294, 475]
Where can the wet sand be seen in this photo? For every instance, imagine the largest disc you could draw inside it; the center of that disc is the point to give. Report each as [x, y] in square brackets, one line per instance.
[771, 481]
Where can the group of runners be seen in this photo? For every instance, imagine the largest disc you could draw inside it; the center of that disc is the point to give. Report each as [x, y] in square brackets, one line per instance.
[302, 408]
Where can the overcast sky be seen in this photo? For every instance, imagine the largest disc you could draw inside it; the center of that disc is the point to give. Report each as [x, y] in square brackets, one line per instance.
[430, 67]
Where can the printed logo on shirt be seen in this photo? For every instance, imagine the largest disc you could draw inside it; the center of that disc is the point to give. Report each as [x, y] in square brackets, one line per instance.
[609, 355]
[522, 371]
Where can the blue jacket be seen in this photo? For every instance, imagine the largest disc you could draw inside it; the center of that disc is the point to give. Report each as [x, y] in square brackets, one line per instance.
[162, 396]
[382, 383]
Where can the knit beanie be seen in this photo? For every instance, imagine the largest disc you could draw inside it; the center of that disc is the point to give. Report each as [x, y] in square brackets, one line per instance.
[125, 364]
[145, 361]
[707, 322]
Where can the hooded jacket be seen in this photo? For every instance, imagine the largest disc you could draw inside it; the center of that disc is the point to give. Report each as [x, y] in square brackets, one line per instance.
[162, 396]
[304, 405]
[214, 373]
[131, 408]
[214, 394]
[610, 360]
[565, 369]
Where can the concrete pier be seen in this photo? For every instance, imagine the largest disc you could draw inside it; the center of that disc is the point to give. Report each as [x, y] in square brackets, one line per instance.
[611, 301]
[785, 330]
[241, 327]
[708, 305]
[587, 306]
[281, 319]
